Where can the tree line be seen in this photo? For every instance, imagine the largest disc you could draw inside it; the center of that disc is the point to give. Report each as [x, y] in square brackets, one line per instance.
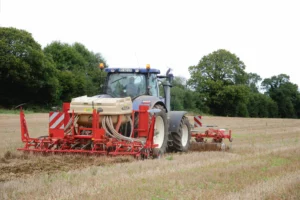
[219, 84]
[48, 76]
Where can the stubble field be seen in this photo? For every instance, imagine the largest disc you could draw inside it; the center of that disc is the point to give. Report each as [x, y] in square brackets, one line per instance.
[263, 163]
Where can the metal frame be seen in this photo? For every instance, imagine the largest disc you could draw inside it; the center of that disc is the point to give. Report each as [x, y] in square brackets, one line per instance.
[217, 135]
[66, 139]
[102, 144]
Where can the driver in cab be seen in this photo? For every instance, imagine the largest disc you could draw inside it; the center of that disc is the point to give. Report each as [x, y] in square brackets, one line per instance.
[131, 88]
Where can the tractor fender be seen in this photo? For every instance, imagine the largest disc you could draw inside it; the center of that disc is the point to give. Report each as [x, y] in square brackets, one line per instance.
[145, 99]
[175, 119]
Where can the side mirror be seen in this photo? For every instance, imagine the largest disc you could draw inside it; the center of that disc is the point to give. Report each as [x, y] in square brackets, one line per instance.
[169, 70]
[169, 75]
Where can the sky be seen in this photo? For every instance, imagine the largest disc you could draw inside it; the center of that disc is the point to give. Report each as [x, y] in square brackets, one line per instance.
[175, 34]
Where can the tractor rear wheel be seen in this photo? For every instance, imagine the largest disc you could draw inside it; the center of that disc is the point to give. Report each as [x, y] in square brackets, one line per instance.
[160, 132]
[181, 139]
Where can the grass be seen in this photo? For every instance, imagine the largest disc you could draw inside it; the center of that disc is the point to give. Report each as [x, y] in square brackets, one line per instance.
[27, 111]
[187, 176]
[169, 157]
[262, 164]
[15, 111]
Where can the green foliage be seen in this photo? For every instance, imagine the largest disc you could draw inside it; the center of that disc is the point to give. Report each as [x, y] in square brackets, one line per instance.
[192, 101]
[252, 81]
[260, 105]
[218, 83]
[220, 78]
[219, 66]
[177, 97]
[182, 98]
[170, 157]
[27, 74]
[14, 111]
[284, 93]
[78, 69]
[31, 75]
[179, 82]
[232, 100]
[241, 110]
[270, 84]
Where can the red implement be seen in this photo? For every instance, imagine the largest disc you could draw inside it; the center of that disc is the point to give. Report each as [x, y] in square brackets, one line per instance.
[216, 135]
[65, 136]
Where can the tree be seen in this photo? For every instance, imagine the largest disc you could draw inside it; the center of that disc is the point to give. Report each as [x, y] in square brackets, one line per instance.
[27, 74]
[212, 77]
[177, 97]
[78, 69]
[220, 66]
[252, 82]
[178, 93]
[232, 101]
[284, 93]
[179, 82]
[65, 56]
[182, 98]
[260, 105]
[270, 84]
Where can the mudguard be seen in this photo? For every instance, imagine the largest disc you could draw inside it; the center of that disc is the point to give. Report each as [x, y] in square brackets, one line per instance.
[151, 99]
[175, 119]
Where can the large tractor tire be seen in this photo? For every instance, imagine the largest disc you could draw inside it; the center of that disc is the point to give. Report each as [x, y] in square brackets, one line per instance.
[160, 132]
[181, 139]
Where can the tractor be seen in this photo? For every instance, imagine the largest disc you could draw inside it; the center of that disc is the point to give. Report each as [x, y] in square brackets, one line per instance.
[172, 128]
[129, 118]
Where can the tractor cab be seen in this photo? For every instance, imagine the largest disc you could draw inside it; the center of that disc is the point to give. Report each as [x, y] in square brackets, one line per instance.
[133, 82]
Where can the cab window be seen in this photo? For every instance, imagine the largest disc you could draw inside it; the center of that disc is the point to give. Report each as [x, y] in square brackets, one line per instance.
[153, 85]
[126, 84]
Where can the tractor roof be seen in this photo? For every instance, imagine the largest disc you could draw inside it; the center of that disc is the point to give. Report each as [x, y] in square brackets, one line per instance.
[132, 70]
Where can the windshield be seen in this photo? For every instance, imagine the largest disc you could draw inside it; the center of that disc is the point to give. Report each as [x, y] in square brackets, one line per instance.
[126, 84]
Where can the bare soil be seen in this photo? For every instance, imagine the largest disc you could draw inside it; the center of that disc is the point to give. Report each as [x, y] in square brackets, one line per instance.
[19, 165]
[15, 164]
